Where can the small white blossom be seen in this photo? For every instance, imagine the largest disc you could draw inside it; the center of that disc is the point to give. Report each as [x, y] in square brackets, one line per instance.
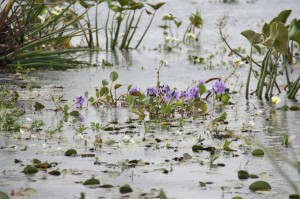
[58, 9]
[251, 123]
[190, 35]
[33, 136]
[41, 18]
[28, 119]
[168, 38]
[275, 100]
[179, 132]
[22, 131]
[237, 62]
[126, 138]
[80, 136]
[259, 112]
[44, 145]
[54, 12]
[174, 39]
[58, 148]
[164, 62]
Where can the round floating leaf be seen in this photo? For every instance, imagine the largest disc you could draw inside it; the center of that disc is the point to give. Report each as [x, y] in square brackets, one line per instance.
[253, 176]
[258, 152]
[36, 161]
[242, 174]
[3, 195]
[260, 186]
[54, 173]
[125, 189]
[71, 152]
[106, 186]
[91, 181]
[75, 113]
[237, 197]
[294, 108]
[294, 196]
[30, 170]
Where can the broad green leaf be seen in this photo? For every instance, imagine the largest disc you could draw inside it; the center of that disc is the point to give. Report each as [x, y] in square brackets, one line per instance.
[113, 76]
[38, 106]
[225, 98]
[282, 16]
[279, 35]
[294, 31]
[260, 186]
[130, 100]
[135, 6]
[221, 117]
[104, 91]
[253, 37]
[266, 29]
[75, 113]
[116, 8]
[202, 89]
[162, 195]
[257, 48]
[156, 6]
[117, 86]
[104, 82]
[123, 2]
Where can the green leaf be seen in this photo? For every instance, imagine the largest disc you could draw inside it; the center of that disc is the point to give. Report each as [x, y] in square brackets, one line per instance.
[123, 2]
[104, 91]
[221, 117]
[162, 195]
[156, 6]
[225, 98]
[202, 89]
[294, 31]
[253, 37]
[258, 152]
[75, 113]
[130, 100]
[105, 82]
[260, 186]
[3, 195]
[38, 106]
[125, 189]
[113, 76]
[91, 181]
[135, 6]
[117, 86]
[282, 16]
[116, 8]
[279, 35]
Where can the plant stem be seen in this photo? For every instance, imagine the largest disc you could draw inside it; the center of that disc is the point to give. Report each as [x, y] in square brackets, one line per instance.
[249, 75]
[145, 31]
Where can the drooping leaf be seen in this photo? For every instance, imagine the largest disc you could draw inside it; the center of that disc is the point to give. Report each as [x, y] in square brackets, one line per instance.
[282, 16]
[279, 36]
[253, 37]
[294, 31]
[104, 91]
[156, 6]
[117, 86]
[113, 76]
[123, 2]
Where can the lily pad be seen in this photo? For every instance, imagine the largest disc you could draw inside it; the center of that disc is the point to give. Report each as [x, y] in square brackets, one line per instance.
[260, 186]
[237, 197]
[242, 174]
[91, 181]
[106, 186]
[258, 152]
[3, 195]
[54, 173]
[30, 170]
[294, 196]
[294, 108]
[125, 189]
[71, 152]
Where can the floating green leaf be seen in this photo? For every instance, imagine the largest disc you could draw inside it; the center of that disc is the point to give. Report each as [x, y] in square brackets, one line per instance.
[30, 170]
[258, 152]
[71, 152]
[54, 173]
[91, 181]
[125, 189]
[242, 174]
[237, 197]
[294, 196]
[38, 106]
[75, 113]
[106, 186]
[260, 186]
[3, 195]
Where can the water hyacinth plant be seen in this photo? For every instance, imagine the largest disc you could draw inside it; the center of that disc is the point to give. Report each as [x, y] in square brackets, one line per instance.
[280, 40]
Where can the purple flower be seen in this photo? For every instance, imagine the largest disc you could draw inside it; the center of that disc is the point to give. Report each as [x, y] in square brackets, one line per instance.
[192, 93]
[152, 91]
[219, 87]
[164, 89]
[172, 94]
[79, 101]
[80, 119]
[133, 89]
[201, 81]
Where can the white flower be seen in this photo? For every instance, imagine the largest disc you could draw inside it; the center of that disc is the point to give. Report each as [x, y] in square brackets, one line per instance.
[259, 112]
[58, 148]
[275, 100]
[45, 145]
[179, 132]
[54, 12]
[174, 39]
[80, 136]
[168, 38]
[126, 138]
[41, 18]
[22, 131]
[190, 35]
[28, 119]
[238, 74]
[164, 62]
[58, 9]
[237, 62]
[251, 123]
[33, 136]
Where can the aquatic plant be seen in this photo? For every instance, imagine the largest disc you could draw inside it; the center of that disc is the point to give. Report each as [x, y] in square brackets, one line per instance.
[278, 39]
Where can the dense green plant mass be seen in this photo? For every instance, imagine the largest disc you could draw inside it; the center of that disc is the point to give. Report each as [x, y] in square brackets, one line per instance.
[281, 42]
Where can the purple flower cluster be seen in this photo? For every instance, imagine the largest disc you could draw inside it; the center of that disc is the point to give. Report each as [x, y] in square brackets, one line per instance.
[133, 89]
[152, 91]
[219, 87]
[164, 89]
[192, 93]
[172, 94]
[79, 100]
